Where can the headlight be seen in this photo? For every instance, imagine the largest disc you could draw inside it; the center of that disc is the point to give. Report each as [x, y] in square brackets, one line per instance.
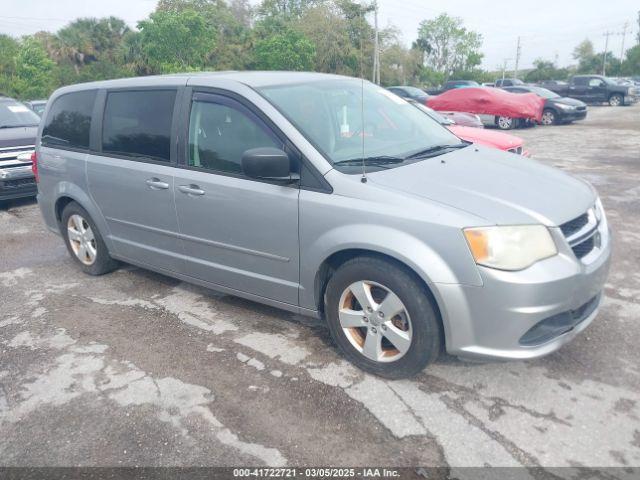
[599, 211]
[566, 107]
[510, 247]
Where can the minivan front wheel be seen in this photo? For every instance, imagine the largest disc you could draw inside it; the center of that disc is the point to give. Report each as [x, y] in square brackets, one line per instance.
[505, 123]
[381, 318]
[84, 241]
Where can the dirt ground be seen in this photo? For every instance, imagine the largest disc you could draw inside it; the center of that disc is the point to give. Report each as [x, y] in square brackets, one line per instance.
[134, 368]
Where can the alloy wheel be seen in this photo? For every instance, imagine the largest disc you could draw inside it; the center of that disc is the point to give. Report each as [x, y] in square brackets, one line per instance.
[505, 122]
[615, 101]
[375, 321]
[81, 239]
[548, 118]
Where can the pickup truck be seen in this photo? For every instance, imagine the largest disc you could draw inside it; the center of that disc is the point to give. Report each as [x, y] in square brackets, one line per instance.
[596, 89]
[18, 128]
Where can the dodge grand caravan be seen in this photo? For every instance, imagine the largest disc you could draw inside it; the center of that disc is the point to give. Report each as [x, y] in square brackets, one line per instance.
[327, 196]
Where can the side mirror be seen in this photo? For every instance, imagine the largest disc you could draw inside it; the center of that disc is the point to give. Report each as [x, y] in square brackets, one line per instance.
[267, 163]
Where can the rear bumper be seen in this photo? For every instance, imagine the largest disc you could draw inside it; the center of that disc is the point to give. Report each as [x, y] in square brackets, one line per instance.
[529, 313]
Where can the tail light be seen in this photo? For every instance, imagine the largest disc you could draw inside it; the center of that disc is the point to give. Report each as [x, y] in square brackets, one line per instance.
[34, 166]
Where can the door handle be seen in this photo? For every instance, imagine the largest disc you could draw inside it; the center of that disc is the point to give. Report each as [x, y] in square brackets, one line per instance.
[191, 190]
[157, 184]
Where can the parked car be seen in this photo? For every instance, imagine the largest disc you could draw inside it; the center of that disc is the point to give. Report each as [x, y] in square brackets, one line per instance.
[326, 196]
[557, 109]
[463, 118]
[479, 136]
[410, 93]
[508, 82]
[494, 106]
[553, 84]
[37, 106]
[18, 128]
[597, 89]
[453, 84]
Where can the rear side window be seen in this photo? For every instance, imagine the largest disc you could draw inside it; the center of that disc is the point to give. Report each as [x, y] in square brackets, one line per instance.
[69, 121]
[138, 124]
[580, 81]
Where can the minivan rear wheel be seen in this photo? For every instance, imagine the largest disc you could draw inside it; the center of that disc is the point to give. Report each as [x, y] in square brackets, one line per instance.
[381, 318]
[84, 242]
[505, 123]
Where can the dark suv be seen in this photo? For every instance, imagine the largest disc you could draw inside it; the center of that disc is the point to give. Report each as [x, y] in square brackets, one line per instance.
[18, 128]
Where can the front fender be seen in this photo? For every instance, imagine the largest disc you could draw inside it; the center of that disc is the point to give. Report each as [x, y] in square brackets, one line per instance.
[401, 246]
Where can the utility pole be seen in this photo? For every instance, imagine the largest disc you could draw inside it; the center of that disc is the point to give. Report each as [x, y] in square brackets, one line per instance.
[515, 70]
[376, 47]
[604, 54]
[504, 67]
[624, 34]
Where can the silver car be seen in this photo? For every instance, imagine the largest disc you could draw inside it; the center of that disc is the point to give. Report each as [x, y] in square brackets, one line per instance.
[326, 196]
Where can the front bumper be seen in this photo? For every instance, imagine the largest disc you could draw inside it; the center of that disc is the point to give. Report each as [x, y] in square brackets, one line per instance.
[631, 99]
[491, 321]
[571, 116]
[17, 182]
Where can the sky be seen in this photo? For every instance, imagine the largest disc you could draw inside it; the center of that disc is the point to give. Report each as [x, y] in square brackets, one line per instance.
[548, 29]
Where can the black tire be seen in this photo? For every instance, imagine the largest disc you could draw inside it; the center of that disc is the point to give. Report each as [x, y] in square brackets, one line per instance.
[103, 262]
[426, 338]
[616, 100]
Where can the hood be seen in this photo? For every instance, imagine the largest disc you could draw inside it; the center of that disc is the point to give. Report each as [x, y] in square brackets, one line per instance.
[568, 101]
[488, 138]
[18, 136]
[502, 188]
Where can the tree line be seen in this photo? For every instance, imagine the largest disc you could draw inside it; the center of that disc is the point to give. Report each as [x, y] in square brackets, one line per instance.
[333, 36]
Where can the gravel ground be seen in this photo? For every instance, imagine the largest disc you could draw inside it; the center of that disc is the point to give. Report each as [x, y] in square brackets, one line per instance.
[134, 368]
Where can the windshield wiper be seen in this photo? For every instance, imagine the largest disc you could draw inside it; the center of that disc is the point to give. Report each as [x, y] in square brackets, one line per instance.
[436, 150]
[377, 160]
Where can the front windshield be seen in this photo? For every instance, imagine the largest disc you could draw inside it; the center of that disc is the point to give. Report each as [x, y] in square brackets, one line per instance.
[14, 114]
[543, 92]
[340, 117]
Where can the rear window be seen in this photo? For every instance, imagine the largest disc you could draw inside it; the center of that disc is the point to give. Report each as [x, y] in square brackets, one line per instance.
[138, 124]
[69, 121]
[14, 114]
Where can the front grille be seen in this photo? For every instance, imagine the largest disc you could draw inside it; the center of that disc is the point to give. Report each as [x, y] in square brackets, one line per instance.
[573, 226]
[584, 248]
[516, 150]
[581, 109]
[556, 325]
[11, 153]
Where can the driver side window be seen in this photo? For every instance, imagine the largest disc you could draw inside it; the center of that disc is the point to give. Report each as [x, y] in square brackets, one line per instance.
[220, 133]
[596, 82]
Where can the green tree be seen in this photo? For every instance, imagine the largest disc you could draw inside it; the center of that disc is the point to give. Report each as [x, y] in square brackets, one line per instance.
[448, 46]
[545, 70]
[175, 41]
[588, 61]
[288, 50]
[328, 31]
[33, 76]
[631, 64]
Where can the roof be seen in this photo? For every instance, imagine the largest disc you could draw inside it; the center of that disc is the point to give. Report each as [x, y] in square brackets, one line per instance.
[254, 79]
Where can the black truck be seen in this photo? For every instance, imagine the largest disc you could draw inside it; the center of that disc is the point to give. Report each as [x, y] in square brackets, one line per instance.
[596, 89]
[18, 128]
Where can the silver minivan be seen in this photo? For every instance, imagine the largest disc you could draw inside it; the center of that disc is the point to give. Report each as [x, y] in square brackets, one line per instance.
[327, 196]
